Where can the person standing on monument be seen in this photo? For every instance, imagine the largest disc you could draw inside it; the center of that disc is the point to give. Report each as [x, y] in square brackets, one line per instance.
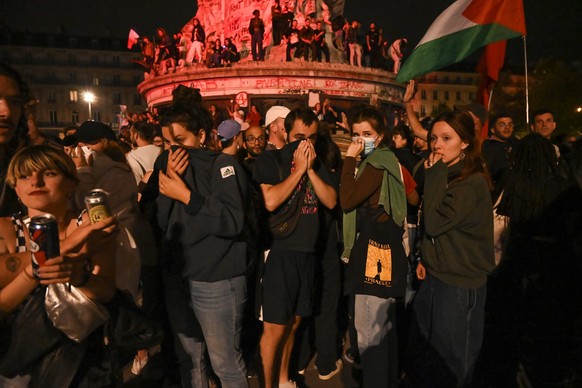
[257, 31]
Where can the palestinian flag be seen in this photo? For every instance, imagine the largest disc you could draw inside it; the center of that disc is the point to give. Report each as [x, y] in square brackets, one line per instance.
[461, 29]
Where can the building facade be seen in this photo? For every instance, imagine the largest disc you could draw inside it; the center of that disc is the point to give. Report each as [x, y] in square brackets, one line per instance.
[444, 88]
[60, 69]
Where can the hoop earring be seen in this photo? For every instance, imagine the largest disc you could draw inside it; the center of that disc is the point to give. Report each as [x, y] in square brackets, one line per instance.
[462, 155]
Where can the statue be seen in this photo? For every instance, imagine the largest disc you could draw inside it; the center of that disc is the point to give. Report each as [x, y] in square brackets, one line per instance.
[230, 18]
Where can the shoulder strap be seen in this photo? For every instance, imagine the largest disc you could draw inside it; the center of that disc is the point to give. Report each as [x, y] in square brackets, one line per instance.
[20, 238]
[279, 163]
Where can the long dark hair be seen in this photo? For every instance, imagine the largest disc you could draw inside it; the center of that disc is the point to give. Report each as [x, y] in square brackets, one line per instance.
[463, 125]
[188, 111]
[534, 180]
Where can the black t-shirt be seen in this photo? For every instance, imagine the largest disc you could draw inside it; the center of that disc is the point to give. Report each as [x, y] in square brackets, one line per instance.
[305, 236]
[306, 33]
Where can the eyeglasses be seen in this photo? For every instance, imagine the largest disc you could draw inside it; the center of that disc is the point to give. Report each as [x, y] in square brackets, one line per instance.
[252, 139]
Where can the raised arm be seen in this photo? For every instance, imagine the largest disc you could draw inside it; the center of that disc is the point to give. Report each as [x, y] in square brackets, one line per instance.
[413, 120]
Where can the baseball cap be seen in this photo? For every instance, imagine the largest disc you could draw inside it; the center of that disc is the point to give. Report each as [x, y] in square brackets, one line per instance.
[229, 129]
[274, 113]
[92, 131]
[475, 108]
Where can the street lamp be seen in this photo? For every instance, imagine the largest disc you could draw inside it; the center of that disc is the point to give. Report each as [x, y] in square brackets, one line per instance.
[89, 98]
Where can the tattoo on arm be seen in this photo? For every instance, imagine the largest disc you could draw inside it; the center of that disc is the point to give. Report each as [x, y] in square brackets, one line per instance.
[12, 264]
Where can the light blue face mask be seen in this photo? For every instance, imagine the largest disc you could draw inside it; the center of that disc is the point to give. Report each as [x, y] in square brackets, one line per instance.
[369, 144]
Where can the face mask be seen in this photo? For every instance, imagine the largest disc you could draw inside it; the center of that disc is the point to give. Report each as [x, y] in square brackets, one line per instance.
[369, 144]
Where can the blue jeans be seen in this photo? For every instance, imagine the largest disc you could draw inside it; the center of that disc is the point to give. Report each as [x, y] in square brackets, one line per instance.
[219, 307]
[450, 322]
[375, 321]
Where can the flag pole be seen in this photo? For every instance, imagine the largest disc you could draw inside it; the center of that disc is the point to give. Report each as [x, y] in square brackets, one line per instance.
[526, 82]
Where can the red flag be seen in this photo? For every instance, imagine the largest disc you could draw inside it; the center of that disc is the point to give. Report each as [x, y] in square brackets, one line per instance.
[132, 38]
[489, 66]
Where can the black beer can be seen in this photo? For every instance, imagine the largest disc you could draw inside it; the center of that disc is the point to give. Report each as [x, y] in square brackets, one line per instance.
[96, 203]
[44, 240]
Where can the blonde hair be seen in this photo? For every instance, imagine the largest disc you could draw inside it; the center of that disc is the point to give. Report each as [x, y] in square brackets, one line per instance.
[38, 158]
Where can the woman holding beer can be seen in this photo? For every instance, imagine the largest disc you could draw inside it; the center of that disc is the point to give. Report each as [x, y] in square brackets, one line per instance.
[65, 248]
[44, 179]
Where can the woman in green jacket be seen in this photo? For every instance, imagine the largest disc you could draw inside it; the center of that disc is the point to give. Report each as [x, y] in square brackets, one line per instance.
[457, 253]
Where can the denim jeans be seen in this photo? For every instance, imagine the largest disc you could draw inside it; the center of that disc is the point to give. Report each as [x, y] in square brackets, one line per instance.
[195, 349]
[450, 322]
[375, 321]
[219, 307]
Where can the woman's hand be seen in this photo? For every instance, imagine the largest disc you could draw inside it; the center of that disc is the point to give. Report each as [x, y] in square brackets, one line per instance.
[57, 270]
[432, 159]
[355, 148]
[178, 161]
[89, 237]
[172, 186]
[420, 271]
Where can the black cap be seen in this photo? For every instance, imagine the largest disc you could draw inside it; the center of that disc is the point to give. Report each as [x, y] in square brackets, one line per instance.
[92, 131]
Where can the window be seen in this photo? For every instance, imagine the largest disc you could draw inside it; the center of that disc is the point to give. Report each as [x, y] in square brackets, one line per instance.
[446, 79]
[422, 111]
[446, 95]
[471, 96]
[95, 43]
[73, 77]
[72, 59]
[28, 57]
[116, 98]
[73, 95]
[116, 79]
[53, 117]
[423, 94]
[458, 95]
[50, 40]
[72, 42]
[94, 60]
[435, 94]
[434, 109]
[50, 57]
[95, 80]
[51, 95]
[136, 99]
[75, 117]
[116, 60]
[97, 116]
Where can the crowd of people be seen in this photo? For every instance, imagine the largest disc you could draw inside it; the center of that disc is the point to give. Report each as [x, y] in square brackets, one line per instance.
[304, 39]
[255, 245]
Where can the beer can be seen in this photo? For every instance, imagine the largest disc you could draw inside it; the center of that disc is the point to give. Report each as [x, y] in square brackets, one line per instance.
[96, 203]
[44, 240]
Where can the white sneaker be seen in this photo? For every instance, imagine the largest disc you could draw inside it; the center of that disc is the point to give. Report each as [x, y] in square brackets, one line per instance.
[338, 367]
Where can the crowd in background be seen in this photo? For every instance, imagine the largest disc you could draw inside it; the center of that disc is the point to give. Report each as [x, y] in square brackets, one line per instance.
[304, 39]
[390, 249]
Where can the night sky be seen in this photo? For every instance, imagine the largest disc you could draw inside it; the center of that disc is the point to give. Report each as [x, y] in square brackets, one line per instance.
[553, 27]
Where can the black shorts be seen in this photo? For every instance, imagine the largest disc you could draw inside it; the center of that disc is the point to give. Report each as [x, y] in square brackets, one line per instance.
[287, 286]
